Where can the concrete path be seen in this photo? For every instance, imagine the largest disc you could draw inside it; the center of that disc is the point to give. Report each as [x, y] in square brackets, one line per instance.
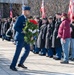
[37, 65]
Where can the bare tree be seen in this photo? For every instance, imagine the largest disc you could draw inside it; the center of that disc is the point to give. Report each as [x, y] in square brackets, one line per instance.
[51, 6]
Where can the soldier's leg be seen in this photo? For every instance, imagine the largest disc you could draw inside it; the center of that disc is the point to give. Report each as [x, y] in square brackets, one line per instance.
[59, 52]
[26, 53]
[19, 46]
[36, 50]
[43, 51]
[50, 52]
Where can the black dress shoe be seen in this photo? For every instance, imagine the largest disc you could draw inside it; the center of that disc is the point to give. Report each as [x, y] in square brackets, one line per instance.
[47, 55]
[42, 54]
[72, 59]
[64, 62]
[36, 52]
[19, 65]
[56, 58]
[13, 68]
[50, 56]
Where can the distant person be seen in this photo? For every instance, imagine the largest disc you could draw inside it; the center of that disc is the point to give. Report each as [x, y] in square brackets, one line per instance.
[72, 39]
[56, 44]
[48, 41]
[41, 37]
[64, 34]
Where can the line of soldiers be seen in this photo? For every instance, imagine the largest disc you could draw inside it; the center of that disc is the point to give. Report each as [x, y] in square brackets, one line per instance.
[50, 44]
[47, 42]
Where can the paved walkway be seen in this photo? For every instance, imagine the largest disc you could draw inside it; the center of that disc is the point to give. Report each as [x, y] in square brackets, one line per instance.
[37, 65]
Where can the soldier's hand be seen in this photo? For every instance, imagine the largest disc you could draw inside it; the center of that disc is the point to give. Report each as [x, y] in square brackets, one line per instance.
[57, 37]
[23, 32]
[32, 38]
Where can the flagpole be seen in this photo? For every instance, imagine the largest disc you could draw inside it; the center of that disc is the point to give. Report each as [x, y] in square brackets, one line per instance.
[71, 10]
[43, 9]
[11, 15]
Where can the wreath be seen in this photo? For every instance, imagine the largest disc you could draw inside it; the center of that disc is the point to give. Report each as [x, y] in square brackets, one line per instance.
[31, 31]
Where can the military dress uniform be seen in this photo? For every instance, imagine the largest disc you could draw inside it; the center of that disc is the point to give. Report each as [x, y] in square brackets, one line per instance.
[20, 43]
[41, 39]
[48, 41]
[56, 40]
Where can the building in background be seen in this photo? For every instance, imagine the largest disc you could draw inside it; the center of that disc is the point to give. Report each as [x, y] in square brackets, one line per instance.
[51, 7]
[16, 7]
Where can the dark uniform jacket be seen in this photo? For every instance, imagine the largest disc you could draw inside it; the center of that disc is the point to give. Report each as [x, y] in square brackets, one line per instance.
[72, 33]
[41, 36]
[55, 40]
[21, 22]
[48, 41]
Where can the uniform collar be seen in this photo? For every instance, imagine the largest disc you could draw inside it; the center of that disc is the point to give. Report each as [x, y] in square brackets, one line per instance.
[24, 16]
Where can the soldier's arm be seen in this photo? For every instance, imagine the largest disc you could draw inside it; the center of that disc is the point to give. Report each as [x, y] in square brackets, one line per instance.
[17, 25]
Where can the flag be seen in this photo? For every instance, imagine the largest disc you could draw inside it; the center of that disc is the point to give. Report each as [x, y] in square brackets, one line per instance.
[11, 13]
[43, 9]
[71, 9]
